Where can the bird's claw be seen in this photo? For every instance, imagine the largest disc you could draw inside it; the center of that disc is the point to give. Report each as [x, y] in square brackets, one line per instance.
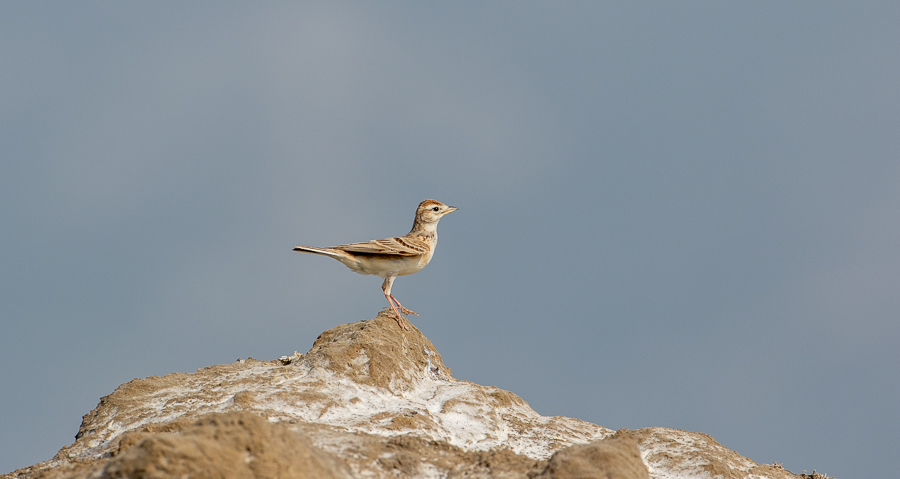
[398, 317]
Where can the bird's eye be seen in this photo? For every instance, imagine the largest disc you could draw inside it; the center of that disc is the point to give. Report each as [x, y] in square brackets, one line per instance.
[435, 208]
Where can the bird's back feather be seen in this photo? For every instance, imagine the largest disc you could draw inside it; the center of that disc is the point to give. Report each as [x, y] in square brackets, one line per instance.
[398, 245]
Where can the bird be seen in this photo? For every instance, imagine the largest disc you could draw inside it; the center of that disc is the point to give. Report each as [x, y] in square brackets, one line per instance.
[391, 257]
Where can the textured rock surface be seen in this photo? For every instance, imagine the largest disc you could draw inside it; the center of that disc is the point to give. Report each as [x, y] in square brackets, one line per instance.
[677, 453]
[614, 458]
[368, 400]
[237, 444]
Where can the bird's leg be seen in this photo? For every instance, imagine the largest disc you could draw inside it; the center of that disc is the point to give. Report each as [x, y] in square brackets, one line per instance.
[402, 309]
[386, 287]
[397, 317]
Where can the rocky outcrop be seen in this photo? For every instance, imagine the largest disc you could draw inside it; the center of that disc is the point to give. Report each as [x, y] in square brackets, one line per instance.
[368, 400]
[614, 458]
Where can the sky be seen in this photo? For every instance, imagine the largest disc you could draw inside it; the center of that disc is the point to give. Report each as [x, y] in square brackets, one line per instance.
[670, 214]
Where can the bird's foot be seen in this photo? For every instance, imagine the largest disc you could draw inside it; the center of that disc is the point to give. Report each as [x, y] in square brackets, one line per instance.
[397, 317]
[401, 321]
[402, 308]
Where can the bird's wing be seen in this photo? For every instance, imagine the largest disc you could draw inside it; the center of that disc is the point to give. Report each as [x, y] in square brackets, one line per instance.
[398, 245]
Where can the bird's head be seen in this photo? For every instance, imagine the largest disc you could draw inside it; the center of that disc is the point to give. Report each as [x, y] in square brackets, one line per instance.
[431, 211]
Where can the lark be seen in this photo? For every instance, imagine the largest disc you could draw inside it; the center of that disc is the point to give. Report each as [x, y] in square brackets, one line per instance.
[392, 257]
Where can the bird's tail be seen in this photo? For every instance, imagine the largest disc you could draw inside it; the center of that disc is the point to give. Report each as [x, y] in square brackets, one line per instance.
[314, 250]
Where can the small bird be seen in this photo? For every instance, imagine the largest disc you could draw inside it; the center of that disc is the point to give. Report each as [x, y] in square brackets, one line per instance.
[392, 257]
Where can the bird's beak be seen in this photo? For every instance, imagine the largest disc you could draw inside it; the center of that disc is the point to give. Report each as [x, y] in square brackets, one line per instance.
[450, 209]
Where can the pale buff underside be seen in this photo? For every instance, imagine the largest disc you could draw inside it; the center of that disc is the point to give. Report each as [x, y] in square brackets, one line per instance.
[382, 265]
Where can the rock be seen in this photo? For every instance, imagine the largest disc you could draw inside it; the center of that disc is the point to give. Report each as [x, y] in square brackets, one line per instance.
[367, 400]
[673, 451]
[231, 445]
[614, 458]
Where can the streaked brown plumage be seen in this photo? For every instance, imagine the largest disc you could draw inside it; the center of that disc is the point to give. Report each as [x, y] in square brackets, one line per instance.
[392, 257]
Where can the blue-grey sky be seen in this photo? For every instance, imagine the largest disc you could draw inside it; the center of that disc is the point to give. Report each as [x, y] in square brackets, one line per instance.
[671, 214]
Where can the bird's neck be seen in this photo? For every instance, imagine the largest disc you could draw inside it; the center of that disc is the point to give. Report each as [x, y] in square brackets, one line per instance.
[421, 228]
